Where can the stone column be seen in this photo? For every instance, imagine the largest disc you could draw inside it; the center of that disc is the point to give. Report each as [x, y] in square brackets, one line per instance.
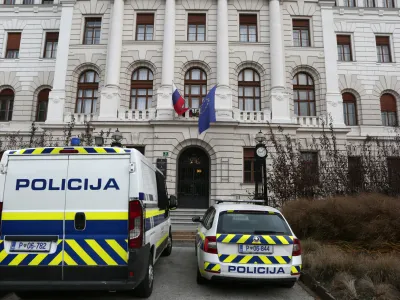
[223, 99]
[111, 95]
[334, 101]
[279, 99]
[55, 111]
[164, 93]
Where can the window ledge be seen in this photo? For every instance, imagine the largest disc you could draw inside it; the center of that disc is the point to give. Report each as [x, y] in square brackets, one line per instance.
[247, 184]
[386, 63]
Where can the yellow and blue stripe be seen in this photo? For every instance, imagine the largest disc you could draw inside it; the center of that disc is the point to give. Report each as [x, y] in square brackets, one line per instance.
[211, 267]
[295, 270]
[250, 239]
[254, 259]
[81, 150]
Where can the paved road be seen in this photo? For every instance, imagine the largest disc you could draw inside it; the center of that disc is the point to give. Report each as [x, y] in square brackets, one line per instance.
[175, 279]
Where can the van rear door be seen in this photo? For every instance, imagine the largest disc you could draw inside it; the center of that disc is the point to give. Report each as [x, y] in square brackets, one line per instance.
[96, 226]
[31, 240]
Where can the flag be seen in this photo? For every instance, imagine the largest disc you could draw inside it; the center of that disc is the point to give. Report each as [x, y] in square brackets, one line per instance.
[178, 101]
[207, 111]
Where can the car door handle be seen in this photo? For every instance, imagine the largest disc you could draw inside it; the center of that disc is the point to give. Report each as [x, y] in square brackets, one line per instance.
[80, 221]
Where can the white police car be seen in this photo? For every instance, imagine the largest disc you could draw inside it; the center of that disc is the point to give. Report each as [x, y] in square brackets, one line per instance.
[246, 242]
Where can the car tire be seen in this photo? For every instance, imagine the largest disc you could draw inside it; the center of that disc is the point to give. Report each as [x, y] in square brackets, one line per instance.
[145, 288]
[25, 295]
[168, 250]
[288, 284]
[200, 279]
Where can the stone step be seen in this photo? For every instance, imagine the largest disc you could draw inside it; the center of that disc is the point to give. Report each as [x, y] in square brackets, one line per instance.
[184, 236]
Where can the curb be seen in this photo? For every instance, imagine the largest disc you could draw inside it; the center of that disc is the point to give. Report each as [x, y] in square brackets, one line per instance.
[315, 286]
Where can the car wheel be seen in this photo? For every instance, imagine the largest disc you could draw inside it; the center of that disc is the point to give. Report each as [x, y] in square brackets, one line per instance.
[167, 251]
[26, 295]
[145, 288]
[288, 284]
[200, 279]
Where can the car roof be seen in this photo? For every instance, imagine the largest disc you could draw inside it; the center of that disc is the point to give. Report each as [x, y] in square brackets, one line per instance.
[243, 206]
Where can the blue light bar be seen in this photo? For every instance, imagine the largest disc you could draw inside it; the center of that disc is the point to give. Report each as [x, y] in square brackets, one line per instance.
[75, 141]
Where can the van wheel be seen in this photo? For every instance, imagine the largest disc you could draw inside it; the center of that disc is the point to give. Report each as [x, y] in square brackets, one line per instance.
[200, 279]
[167, 251]
[145, 288]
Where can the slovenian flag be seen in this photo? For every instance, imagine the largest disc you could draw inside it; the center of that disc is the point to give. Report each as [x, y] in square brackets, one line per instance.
[178, 101]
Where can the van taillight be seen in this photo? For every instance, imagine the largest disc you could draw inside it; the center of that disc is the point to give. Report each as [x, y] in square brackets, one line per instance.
[1, 212]
[296, 248]
[135, 224]
[210, 245]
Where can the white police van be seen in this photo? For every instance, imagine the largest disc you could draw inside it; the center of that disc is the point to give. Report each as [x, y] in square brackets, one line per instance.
[246, 242]
[81, 218]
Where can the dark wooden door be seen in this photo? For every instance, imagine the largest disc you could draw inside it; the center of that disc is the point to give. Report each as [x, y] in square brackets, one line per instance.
[193, 179]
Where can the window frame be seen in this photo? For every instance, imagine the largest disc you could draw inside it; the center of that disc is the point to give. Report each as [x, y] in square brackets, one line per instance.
[52, 41]
[249, 156]
[7, 92]
[13, 49]
[368, 2]
[12, 2]
[347, 101]
[93, 30]
[248, 20]
[301, 28]
[350, 1]
[340, 40]
[145, 16]
[197, 22]
[142, 84]
[385, 112]
[383, 41]
[87, 86]
[47, 2]
[254, 84]
[297, 87]
[39, 101]
[386, 4]
[190, 82]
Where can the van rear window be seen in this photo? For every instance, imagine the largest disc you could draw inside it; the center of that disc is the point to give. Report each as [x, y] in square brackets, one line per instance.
[252, 222]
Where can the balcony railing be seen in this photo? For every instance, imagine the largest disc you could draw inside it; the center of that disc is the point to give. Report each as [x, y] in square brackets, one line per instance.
[190, 114]
[252, 116]
[137, 115]
[80, 118]
[310, 121]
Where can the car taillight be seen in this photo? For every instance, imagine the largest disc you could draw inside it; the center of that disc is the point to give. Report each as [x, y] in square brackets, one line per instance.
[1, 212]
[296, 248]
[210, 245]
[135, 224]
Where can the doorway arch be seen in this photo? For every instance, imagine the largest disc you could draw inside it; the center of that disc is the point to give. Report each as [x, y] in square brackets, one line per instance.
[193, 178]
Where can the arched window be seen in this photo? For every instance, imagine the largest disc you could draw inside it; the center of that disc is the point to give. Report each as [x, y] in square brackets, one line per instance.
[303, 95]
[141, 89]
[349, 109]
[195, 87]
[88, 86]
[249, 90]
[388, 110]
[6, 104]
[43, 101]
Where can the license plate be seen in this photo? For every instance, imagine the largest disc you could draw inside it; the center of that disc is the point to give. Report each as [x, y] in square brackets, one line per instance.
[256, 249]
[30, 247]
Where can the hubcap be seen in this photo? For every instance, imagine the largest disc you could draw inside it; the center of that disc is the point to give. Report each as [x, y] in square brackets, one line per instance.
[151, 275]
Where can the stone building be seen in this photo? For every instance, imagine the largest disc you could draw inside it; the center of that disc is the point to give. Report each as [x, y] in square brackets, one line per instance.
[287, 62]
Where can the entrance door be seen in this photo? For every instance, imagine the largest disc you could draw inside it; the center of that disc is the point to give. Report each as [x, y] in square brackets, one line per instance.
[193, 179]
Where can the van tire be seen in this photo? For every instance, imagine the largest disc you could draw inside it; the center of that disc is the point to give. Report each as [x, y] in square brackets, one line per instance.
[25, 295]
[200, 279]
[168, 250]
[145, 288]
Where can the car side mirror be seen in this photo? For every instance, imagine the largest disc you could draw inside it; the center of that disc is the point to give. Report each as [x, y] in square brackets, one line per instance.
[173, 202]
[197, 220]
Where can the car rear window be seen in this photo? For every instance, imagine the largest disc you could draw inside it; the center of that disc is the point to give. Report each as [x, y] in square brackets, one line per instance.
[252, 222]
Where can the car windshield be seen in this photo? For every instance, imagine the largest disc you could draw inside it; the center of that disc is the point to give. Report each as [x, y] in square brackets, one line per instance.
[252, 222]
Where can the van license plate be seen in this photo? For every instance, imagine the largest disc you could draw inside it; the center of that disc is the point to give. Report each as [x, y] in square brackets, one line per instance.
[256, 249]
[30, 247]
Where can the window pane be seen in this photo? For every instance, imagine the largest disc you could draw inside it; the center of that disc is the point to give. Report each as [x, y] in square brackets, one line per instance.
[296, 108]
[295, 95]
[312, 109]
[243, 29]
[240, 91]
[192, 37]
[248, 75]
[257, 91]
[149, 92]
[80, 93]
[311, 95]
[253, 30]
[302, 79]
[257, 108]
[252, 38]
[383, 116]
[192, 28]
[90, 76]
[143, 74]
[87, 106]
[240, 104]
[240, 76]
[201, 29]
[303, 109]
[187, 89]
[248, 91]
[140, 29]
[195, 90]
[392, 119]
[303, 95]
[141, 92]
[141, 103]
[195, 103]
[204, 90]
[201, 37]
[249, 104]
[195, 74]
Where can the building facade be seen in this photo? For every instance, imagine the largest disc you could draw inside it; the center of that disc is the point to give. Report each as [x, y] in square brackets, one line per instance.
[286, 62]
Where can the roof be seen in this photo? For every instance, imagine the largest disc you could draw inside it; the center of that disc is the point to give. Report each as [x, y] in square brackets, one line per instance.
[81, 150]
[244, 206]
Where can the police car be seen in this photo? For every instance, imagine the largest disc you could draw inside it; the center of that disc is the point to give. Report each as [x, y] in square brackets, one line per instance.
[246, 242]
[82, 218]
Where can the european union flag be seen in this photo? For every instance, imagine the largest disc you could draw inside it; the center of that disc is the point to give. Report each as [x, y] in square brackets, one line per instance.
[207, 111]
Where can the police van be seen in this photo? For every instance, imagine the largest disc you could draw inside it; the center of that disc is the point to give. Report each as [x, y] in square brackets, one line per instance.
[243, 241]
[81, 218]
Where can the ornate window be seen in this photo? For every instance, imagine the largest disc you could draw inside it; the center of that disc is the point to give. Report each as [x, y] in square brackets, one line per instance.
[92, 31]
[388, 110]
[195, 87]
[248, 28]
[43, 101]
[383, 49]
[303, 95]
[6, 104]
[349, 109]
[249, 90]
[301, 33]
[144, 27]
[88, 86]
[196, 27]
[141, 89]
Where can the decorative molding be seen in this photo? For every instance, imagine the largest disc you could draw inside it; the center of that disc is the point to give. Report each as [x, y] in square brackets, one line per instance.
[51, 24]
[14, 24]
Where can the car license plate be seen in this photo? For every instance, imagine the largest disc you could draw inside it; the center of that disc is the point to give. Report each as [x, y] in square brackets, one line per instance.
[256, 249]
[30, 247]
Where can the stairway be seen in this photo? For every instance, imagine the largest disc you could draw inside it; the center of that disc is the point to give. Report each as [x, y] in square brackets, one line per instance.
[183, 229]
